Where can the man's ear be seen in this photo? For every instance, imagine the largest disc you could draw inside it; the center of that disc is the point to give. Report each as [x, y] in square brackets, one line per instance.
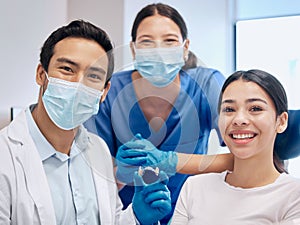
[132, 49]
[40, 75]
[282, 122]
[105, 92]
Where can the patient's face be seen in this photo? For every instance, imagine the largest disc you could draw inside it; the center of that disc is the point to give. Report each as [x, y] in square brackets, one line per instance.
[248, 120]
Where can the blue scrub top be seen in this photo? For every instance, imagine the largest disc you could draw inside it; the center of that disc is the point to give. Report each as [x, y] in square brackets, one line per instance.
[186, 129]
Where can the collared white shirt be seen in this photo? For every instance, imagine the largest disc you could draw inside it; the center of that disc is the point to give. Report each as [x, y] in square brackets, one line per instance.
[70, 178]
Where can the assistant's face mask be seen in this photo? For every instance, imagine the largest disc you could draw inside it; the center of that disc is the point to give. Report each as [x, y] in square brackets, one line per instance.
[159, 65]
[70, 104]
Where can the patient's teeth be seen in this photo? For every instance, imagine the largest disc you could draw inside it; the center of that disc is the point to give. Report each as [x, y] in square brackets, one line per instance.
[242, 136]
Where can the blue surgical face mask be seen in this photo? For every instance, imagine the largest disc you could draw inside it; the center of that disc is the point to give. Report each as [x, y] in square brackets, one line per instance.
[70, 104]
[159, 65]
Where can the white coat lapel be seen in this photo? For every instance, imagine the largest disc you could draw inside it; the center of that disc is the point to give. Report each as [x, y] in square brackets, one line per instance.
[101, 163]
[27, 155]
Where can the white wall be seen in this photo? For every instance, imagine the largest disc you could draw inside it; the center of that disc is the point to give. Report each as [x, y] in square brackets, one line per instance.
[106, 14]
[24, 26]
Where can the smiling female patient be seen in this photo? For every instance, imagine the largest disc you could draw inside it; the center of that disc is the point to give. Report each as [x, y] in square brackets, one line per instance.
[253, 109]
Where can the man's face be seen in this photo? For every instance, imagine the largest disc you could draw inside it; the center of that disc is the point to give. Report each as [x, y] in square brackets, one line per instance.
[75, 60]
[79, 60]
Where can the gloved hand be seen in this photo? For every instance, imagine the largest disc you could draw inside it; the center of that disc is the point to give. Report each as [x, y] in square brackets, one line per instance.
[141, 152]
[151, 202]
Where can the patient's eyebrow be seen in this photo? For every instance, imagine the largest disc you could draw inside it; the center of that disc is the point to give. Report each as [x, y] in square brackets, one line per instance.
[257, 100]
[247, 101]
[228, 101]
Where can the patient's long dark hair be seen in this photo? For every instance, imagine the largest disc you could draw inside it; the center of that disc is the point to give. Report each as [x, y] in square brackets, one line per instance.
[272, 87]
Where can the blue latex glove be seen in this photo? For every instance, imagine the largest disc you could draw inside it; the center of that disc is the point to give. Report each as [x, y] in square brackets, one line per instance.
[151, 202]
[141, 152]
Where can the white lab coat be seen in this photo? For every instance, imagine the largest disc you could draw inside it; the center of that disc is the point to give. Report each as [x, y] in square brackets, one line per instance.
[25, 196]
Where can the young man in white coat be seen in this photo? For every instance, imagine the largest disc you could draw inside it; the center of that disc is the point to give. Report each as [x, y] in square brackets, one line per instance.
[52, 171]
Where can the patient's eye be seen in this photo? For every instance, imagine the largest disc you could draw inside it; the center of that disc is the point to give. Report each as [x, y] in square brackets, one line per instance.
[227, 109]
[256, 108]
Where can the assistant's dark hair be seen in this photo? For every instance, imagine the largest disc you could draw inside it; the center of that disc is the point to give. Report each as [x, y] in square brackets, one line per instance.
[163, 10]
[191, 61]
[78, 29]
[272, 87]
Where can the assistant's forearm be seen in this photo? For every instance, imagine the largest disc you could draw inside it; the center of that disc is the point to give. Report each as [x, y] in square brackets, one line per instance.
[197, 164]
